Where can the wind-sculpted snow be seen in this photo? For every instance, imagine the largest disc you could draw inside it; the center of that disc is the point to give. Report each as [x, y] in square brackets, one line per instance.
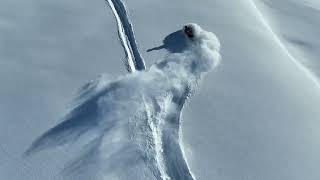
[298, 61]
[130, 128]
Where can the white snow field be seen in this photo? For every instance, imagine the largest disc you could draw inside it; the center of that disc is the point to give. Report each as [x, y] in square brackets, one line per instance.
[254, 117]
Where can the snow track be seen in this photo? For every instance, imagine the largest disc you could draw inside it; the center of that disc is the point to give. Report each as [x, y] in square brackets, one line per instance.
[126, 35]
[135, 62]
[131, 127]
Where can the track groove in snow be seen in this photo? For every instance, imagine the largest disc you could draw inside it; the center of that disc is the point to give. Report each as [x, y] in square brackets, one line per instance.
[126, 35]
[180, 168]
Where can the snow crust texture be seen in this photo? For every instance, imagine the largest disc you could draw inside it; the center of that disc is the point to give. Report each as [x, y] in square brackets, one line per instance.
[131, 126]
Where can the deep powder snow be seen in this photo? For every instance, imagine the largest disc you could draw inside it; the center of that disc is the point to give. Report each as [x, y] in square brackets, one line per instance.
[131, 127]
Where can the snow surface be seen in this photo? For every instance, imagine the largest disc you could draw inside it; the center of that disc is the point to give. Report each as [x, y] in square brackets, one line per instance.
[133, 124]
[255, 117]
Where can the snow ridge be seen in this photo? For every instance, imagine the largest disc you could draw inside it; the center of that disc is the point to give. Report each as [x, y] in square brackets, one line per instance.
[304, 69]
[126, 35]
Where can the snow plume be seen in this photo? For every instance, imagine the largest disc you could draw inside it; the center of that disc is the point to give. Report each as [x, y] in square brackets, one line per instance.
[130, 127]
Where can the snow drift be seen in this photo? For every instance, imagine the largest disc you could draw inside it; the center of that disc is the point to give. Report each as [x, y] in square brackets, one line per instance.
[130, 127]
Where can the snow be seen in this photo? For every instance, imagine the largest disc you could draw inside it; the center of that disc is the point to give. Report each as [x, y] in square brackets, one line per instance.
[296, 31]
[138, 114]
[126, 35]
[255, 117]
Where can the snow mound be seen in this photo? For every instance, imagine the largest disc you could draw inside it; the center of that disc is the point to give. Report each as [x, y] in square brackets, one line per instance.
[130, 127]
